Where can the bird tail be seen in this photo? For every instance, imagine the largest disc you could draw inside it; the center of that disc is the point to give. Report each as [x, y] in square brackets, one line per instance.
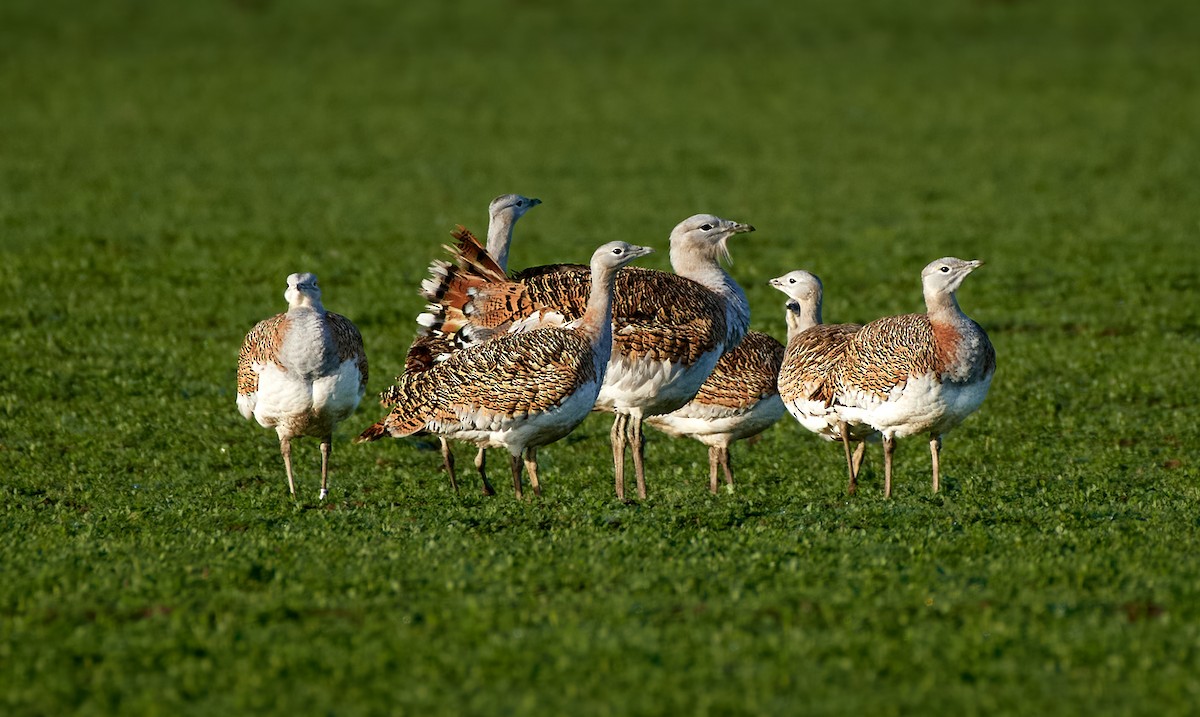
[396, 425]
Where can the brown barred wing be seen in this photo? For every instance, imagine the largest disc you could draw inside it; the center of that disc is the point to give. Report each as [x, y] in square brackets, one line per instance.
[260, 347]
[887, 352]
[745, 375]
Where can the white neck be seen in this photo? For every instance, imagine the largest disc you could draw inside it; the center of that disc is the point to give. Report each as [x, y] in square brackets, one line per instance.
[499, 238]
[300, 301]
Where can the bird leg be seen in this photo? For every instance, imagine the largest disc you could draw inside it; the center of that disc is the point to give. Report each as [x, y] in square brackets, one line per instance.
[531, 465]
[639, 454]
[725, 459]
[448, 462]
[617, 438]
[889, 446]
[481, 466]
[852, 487]
[713, 457]
[859, 454]
[935, 450]
[285, 447]
[326, 447]
[515, 462]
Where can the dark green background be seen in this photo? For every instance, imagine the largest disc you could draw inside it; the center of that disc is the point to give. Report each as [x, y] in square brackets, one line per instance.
[164, 166]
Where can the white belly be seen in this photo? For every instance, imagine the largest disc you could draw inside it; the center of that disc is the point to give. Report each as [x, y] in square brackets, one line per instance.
[716, 425]
[922, 405]
[654, 387]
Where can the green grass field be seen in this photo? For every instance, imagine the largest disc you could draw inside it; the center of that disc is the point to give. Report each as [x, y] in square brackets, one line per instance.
[164, 166]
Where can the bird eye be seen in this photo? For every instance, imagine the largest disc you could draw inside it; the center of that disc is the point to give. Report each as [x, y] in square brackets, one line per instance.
[618, 251]
[945, 269]
[791, 281]
[706, 227]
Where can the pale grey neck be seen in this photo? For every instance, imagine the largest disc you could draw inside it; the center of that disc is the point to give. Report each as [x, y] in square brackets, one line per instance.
[596, 322]
[499, 238]
[943, 305]
[707, 271]
[307, 303]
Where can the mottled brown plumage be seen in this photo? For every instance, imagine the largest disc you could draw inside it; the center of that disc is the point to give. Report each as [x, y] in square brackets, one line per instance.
[261, 346]
[519, 391]
[812, 358]
[670, 329]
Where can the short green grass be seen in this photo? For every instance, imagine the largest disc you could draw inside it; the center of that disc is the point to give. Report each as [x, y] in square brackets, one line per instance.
[163, 167]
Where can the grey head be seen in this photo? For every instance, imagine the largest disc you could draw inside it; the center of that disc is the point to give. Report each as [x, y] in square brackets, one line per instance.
[800, 286]
[616, 254]
[803, 306]
[703, 237]
[513, 204]
[945, 275]
[302, 290]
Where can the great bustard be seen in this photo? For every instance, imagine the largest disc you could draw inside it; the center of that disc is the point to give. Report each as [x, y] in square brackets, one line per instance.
[918, 373]
[519, 391]
[739, 399]
[503, 213]
[302, 372]
[669, 329]
[808, 375]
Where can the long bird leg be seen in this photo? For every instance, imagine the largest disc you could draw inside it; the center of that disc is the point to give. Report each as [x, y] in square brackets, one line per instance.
[531, 466]
[448, 462]
[617, 438]
[326, 448]
[285, 447]
[725, 459]
[889, 447]
[852, 487]
[515, 462]
[713, 458]
[639, 453]
[481, 466]
[935, 450]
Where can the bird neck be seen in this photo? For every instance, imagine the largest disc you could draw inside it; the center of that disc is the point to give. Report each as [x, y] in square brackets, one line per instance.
[596, 322]
[499, 238]
[801, 317]
[306, 303]
[707, 271]
[943, 306]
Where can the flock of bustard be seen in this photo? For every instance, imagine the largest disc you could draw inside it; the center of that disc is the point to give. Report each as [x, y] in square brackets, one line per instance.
[517, 360]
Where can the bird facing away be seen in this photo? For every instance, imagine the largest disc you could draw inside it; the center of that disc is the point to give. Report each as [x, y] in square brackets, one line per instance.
[503, 213]
[519, 391]
[918, 373]
[669, 329]
[302, 372]
[807, 376]
[739, 399]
